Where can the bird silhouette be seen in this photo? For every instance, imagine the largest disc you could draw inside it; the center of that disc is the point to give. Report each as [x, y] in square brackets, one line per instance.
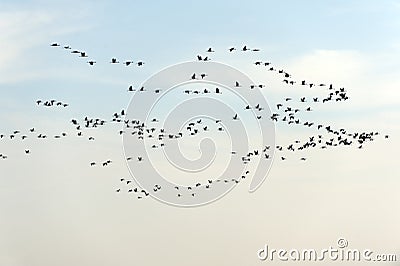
[114, 61]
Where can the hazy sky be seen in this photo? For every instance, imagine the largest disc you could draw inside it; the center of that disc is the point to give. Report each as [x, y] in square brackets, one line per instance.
[56, 210]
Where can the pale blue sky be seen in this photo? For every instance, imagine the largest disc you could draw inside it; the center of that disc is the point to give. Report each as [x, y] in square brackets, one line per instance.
[55, 210]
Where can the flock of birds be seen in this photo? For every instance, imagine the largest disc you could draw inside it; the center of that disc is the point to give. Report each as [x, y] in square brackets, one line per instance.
[92, 62]
[283, 112]
[51, 103]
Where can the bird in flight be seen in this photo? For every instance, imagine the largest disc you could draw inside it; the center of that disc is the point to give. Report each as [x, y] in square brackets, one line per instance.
[114, 61]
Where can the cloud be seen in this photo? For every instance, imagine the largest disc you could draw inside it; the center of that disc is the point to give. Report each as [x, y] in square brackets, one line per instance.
[370, 79]
[329, 65]
[23, 31]
[14, 26]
